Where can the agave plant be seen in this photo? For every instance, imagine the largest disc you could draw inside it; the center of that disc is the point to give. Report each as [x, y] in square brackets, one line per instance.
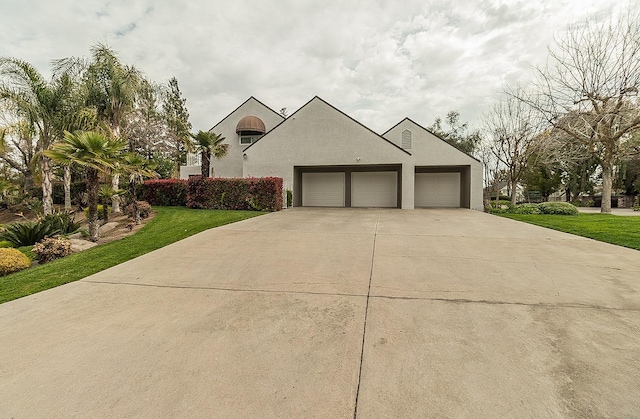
[61, 221]
[27, 233]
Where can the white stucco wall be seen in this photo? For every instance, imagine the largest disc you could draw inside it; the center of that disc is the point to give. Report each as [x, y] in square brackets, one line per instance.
[231, 165]
[429, 150]
[319, 135]
[476, 187]
[186, 171]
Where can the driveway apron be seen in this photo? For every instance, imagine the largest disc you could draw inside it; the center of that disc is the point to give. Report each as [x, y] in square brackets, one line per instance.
[337, 313]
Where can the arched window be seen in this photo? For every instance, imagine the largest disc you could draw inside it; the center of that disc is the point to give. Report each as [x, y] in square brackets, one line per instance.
[406, 139]
[249, 129]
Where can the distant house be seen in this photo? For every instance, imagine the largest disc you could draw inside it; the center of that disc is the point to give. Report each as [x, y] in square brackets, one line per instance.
[502, 188]
[328, 159]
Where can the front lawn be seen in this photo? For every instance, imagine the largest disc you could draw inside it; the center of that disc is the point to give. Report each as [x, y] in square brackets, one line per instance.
[614, 229]
[170, 225]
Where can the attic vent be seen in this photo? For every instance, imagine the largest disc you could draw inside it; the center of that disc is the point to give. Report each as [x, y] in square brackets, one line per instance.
[406, 139]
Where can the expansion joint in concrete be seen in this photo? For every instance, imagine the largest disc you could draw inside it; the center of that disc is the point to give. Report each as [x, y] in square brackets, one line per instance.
[366, 314]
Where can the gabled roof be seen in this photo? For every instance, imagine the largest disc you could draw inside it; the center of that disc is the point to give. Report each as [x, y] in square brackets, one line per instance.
[430, 132]
[243, 103]
[339, 111]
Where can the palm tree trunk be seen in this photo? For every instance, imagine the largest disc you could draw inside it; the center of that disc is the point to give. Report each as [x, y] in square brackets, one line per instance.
[115, 200]
[92, 201]
[105, 213]
[67, 188]
[205, 164]
[134, 204]
[47, 200]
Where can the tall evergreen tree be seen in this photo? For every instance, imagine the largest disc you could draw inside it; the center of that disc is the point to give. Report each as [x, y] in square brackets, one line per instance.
[177, 119]
[145, 127]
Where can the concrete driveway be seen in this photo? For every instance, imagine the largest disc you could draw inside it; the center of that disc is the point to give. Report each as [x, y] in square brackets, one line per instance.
[327, 313]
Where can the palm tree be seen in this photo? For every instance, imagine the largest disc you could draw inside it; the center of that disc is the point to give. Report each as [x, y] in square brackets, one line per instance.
[209, 144]
[105, 195]
[77, 116]
[97, 154]
[38, 102]
[111, 88]
[138, 168]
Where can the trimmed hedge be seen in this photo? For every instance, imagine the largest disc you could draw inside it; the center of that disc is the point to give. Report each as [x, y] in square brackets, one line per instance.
[555, 208]
[558, 208]
[526, 209]
[165, 192]
[258, 194]
[499, 207]
[12, 260]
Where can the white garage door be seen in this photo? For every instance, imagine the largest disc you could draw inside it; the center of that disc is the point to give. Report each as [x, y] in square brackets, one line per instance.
[323, 189]
[374, 189]
[437, 190]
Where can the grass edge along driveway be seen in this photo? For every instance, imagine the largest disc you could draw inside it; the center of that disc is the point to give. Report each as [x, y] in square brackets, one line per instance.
[621, 231]
[169, 225]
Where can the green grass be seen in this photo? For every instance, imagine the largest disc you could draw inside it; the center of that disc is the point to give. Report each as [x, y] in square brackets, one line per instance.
[170, 225]
[614, 229]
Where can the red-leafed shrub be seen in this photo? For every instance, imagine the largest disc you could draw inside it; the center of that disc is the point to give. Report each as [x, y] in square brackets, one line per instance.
[258, 194]
[165, 192]
[266, 194]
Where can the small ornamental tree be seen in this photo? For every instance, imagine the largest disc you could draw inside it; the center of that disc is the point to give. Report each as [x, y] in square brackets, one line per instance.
[97, 154]
[138, 169]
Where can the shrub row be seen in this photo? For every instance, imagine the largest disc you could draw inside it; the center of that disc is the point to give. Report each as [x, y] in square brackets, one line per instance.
[555, 208]
[258, 194]
[165, 192]
[558, 208]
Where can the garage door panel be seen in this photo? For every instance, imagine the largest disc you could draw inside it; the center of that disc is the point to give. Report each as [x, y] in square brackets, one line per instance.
[374, 189]
[323, 189]
[437, 190]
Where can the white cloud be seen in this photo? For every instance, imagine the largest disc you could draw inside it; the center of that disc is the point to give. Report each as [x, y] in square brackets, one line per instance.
[377, 60]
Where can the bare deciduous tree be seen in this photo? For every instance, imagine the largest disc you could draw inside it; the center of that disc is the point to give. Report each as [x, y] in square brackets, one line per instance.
[513, 129]
[589, 90]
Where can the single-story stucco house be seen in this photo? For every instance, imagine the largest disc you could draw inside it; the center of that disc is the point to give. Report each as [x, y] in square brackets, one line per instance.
[326, 158]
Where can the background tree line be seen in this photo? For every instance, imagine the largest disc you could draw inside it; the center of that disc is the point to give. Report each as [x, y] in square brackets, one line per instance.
[577, 123]
[575, 127]
[100, 94]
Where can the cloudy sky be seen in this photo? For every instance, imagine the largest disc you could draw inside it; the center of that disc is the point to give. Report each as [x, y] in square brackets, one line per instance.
[377, 60]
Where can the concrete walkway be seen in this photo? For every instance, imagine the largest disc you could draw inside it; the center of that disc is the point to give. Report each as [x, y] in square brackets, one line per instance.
[327, 313]
[615, 211]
